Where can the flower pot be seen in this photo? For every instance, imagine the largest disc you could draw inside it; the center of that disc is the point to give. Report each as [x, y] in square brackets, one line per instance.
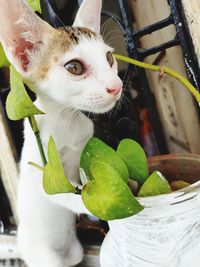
[167, 232]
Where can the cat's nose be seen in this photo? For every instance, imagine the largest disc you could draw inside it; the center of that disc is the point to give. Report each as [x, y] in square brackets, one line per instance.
[114, 91]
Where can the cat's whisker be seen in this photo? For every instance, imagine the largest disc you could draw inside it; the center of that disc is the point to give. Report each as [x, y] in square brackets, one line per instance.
[84, 108]
[120, 102]
[110, 19]
[128, 85]
[112, 44]
[127, 99]
[112, 41]
[105, 25]
[129, 81]
[126, 88]
[115, 35]
[112, 113]
[117, 107]
[113, 32]
[109, 34]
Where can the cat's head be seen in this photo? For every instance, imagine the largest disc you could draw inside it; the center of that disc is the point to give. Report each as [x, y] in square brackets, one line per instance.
[71, 66]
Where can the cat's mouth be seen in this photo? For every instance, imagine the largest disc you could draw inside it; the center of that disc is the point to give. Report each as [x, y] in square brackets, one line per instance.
[98, 103]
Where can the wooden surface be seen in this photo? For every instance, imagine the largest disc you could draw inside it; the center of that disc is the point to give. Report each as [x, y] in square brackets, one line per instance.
[8, 167]
[175, 104]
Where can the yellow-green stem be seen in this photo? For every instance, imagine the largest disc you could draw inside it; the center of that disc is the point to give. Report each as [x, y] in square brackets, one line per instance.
[163, 69]
[36, 166]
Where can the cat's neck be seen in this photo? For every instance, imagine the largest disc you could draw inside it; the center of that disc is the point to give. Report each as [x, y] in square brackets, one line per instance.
[63, 123]
[53, 108]
[59, 114]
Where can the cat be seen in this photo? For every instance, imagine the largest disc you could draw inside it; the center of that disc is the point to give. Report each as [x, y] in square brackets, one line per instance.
[71, 70]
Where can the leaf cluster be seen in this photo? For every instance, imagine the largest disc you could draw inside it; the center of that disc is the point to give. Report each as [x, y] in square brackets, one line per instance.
[107, 193]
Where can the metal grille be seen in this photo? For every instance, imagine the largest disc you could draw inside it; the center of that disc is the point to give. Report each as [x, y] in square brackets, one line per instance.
[182, 38]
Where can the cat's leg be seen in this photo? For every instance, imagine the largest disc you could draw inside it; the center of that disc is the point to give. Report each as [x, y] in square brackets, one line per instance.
[46, 258]
[49, 258]
[46, 232]
[74, 254]
[49, 247]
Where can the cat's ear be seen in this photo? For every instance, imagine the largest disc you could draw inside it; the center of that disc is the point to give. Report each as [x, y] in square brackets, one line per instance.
[89, 15]
[21, 33]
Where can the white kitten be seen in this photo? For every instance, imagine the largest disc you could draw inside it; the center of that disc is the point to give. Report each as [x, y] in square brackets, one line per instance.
[70, 70]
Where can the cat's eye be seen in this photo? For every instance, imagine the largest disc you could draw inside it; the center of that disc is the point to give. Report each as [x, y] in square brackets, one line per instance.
[75, 67]
[110, 58]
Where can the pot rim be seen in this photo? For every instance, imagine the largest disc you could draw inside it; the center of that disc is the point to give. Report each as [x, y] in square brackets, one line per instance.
[177, 196]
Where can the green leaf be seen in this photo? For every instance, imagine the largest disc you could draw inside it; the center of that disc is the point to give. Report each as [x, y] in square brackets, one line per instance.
[18, 103]
[134, 157]
[177, 185]
[35, 5]
[156, 184]
[108, 197]
[54, 179]
[96, 149]
[3, 59]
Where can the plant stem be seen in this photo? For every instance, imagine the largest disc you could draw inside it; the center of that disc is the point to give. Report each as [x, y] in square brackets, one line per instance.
[163, 69]
[36, 166]
[36, 131]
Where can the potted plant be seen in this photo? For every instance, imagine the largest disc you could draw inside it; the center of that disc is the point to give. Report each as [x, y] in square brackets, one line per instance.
[165, 231]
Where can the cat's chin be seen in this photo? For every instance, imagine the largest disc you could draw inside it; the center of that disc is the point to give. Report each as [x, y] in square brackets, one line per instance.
[101, 109]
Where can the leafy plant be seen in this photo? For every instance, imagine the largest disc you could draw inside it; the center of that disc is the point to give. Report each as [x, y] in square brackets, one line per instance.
[134, 157]
[35, 5]
[3, 59]
[18, 103]
[54, 180]
[98, 150]
[156, 184]
[107, 194]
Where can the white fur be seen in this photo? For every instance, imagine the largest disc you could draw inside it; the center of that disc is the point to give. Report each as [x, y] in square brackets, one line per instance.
[46, 232]
[92, 20]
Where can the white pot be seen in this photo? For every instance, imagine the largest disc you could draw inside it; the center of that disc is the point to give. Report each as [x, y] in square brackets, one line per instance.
[165, 234]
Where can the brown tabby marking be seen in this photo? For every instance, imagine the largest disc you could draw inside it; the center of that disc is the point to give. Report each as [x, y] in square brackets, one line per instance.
[59, 41]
